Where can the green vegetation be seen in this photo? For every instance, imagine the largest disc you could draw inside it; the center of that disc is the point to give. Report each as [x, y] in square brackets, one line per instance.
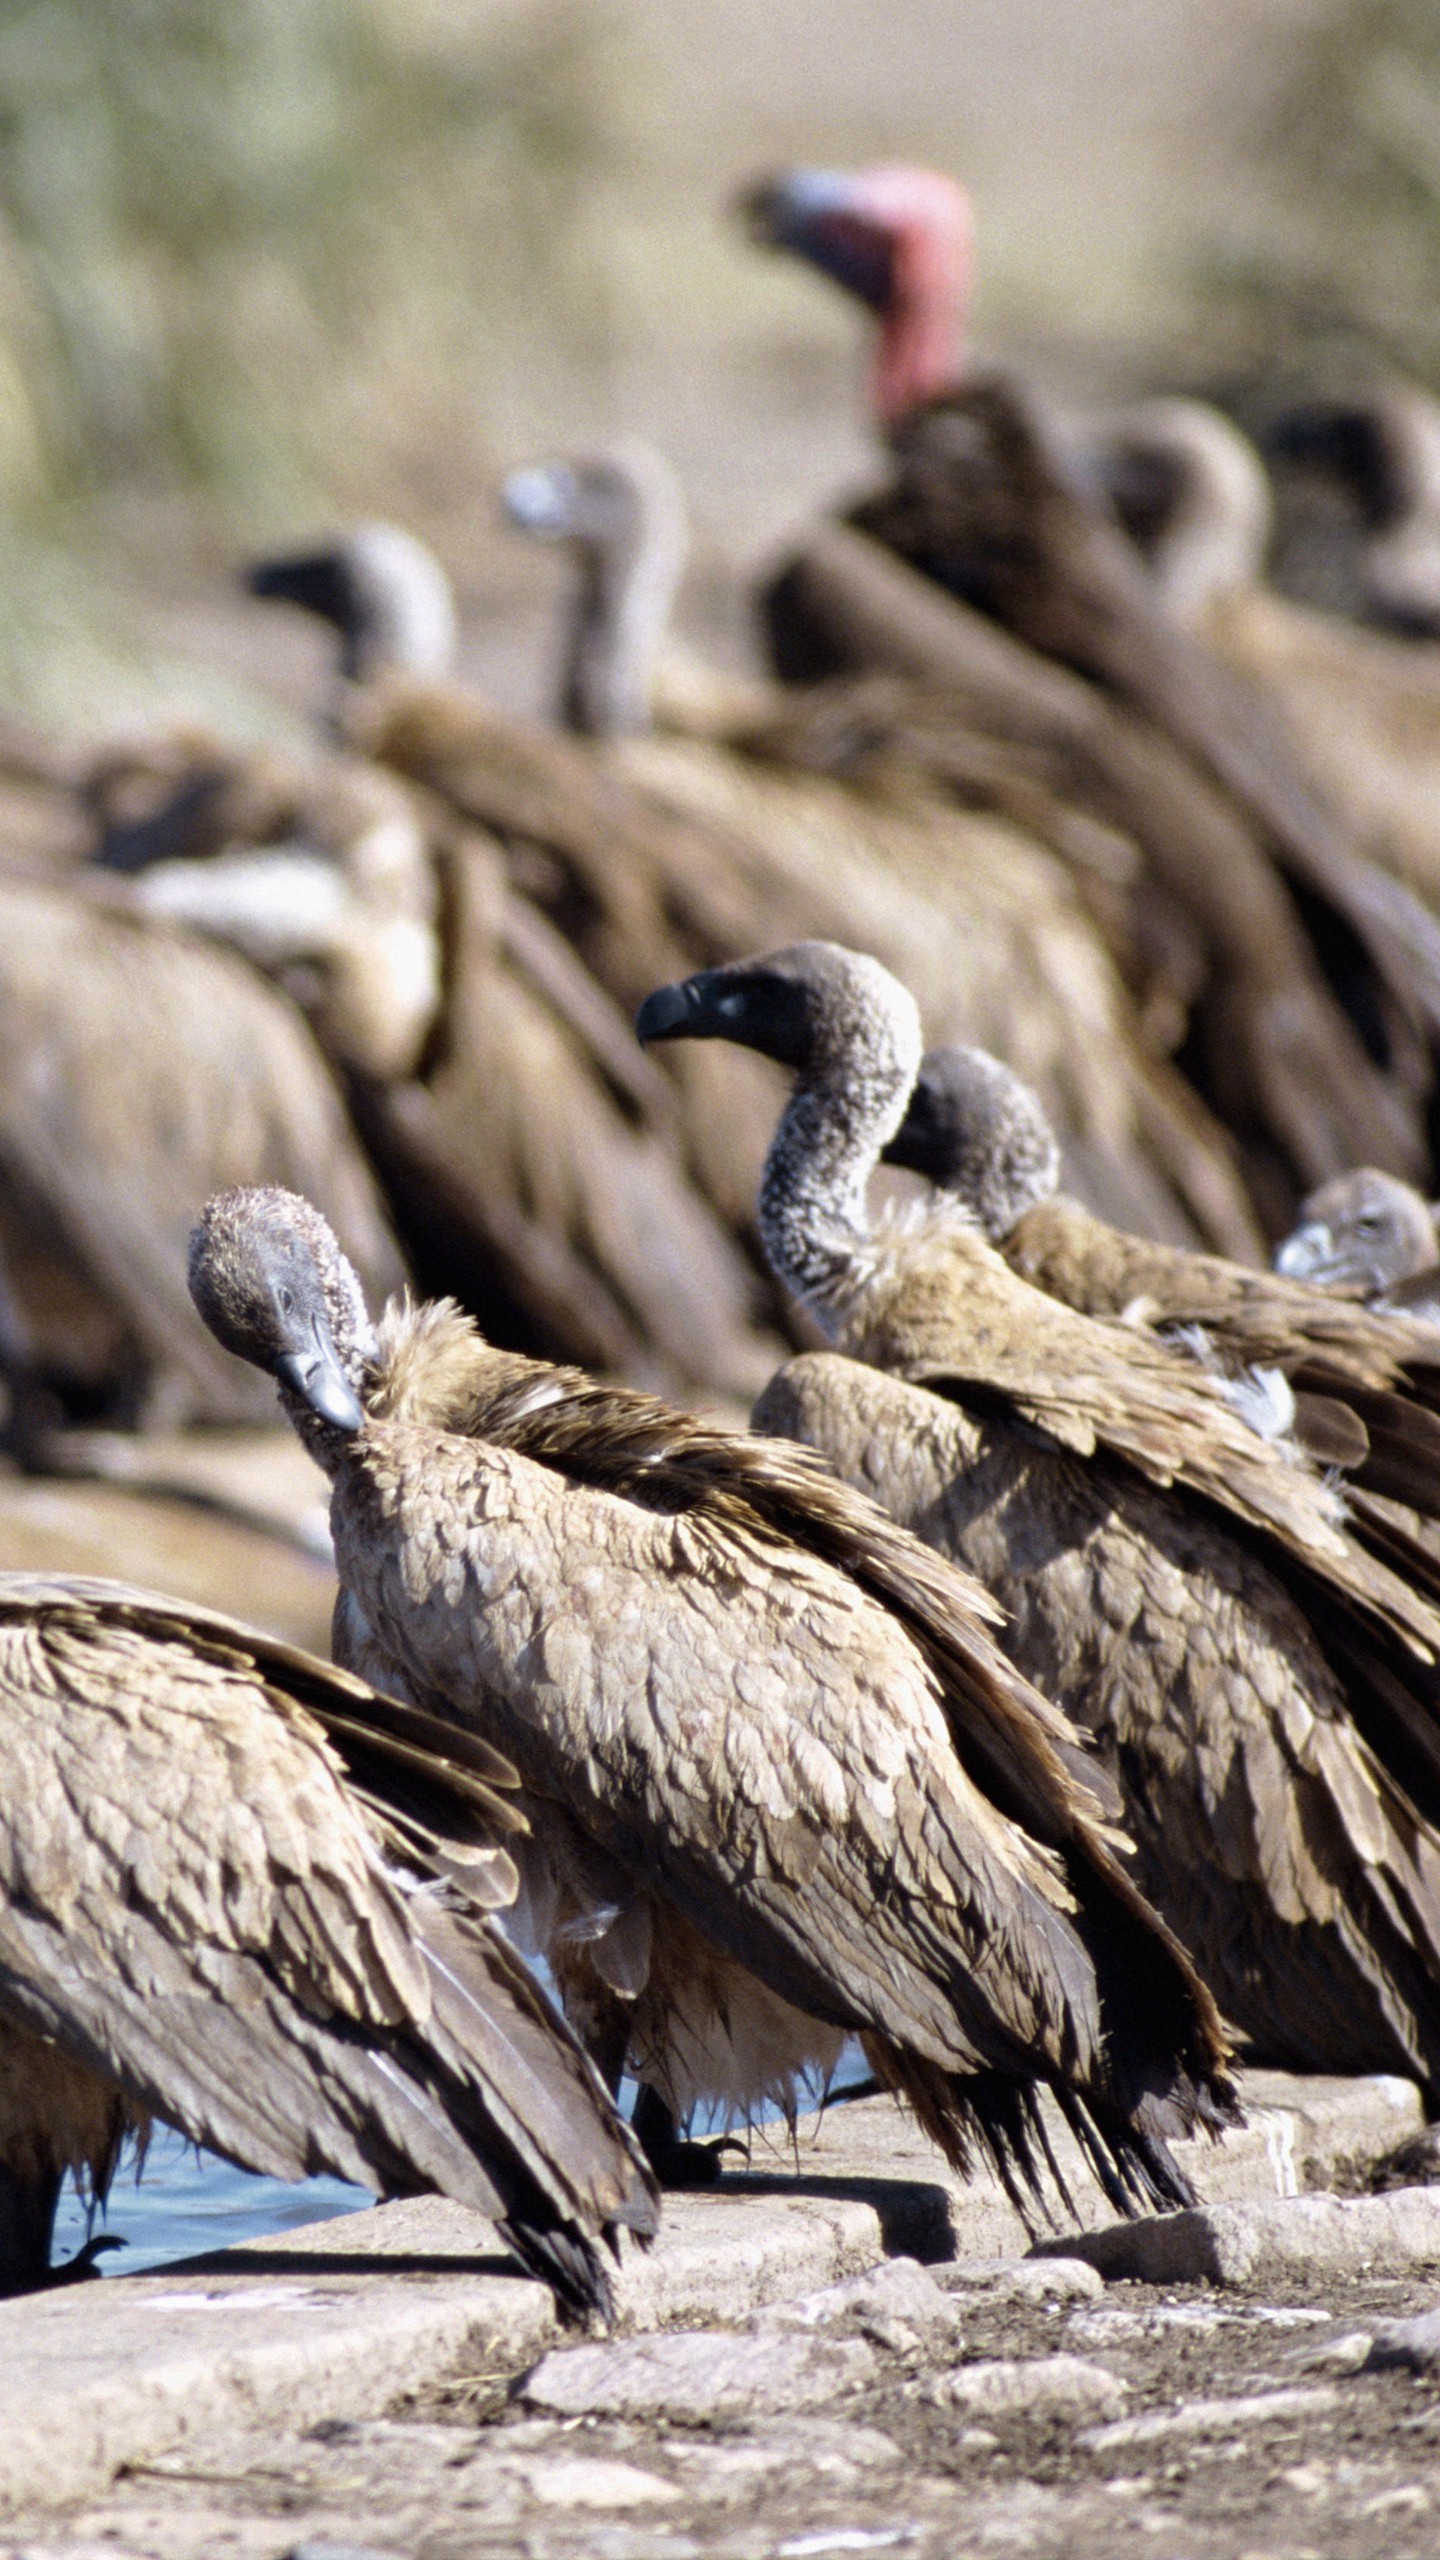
[270, 246]
[1345, 270]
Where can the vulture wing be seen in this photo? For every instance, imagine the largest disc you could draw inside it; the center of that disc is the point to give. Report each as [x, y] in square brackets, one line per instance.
[196, 1905]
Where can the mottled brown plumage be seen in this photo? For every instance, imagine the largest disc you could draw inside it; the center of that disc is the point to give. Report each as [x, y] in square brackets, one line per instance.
[1261, 1686]
[784, 1785]
[1366, 1387]
[243, 1893]
[138, 1068]
[973, 911]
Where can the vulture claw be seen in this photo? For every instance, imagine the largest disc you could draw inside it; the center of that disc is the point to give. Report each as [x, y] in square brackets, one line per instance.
[677, 2163]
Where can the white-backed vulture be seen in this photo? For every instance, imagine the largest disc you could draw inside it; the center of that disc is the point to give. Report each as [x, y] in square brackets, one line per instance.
[243, 1893]
[1368, 1233]
[1262, 1687]
[1366, 1386]
[138, 1067]
[985, 501]
[530, 1169]
[972, 909]
[1382, 448]
[1361, 707]
[784, 1785]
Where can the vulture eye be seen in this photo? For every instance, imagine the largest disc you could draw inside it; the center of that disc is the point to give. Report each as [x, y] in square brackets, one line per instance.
[287, 1303]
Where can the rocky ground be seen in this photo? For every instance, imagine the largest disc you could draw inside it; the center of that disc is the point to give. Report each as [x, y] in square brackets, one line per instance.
[1259, 2377]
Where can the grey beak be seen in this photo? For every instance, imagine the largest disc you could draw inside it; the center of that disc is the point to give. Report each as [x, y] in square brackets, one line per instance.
[316, 1376]
[673, 1012]
[1306, 1252]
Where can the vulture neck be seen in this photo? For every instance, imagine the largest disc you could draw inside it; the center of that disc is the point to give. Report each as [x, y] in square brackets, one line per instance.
[814, 1214]
[1212, 544]
[622, 608]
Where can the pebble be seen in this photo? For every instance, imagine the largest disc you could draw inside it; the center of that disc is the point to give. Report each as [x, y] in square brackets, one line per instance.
[1210, 2417]
[897, 2305]
[1029, 2387]
[694, 2375]
[1023, 2280]
[1412, 2344]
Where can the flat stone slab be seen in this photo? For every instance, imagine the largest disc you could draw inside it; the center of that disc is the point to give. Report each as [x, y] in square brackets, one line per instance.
[337, 2320]
[1199, 2419]
[1235, 2244]
[694, 2376]
[1035, 2387]
[99, 2375]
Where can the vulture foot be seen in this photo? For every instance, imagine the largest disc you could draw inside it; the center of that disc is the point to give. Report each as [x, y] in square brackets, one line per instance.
[676, 2163]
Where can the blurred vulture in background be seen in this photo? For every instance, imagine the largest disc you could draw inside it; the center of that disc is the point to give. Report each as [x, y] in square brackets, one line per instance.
[977, 914]
[138, 1066]
[527, 1154]
[1261, 1680]
[1379, 453]
[1361, 707]
[1373, 1236]
[1306, 979]
[243, 1894]
[784, 1785]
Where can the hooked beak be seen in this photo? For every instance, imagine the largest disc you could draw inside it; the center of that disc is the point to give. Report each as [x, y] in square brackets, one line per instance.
[682, 1011]
[315, 1375]
[539, 499]
[816, 215]
[1309, 1254]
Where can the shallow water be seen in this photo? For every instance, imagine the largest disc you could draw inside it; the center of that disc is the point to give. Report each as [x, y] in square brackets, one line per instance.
[188, 2202]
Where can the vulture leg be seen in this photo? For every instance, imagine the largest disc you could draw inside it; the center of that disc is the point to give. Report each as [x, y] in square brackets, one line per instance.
[676, 2162]
[27, 2227]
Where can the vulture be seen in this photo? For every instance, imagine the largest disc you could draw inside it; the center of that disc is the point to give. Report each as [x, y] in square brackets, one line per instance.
[1361, 707]
[782, 1784]
[139, 1067]
[1381, 452]
[1365, 1386]
[972, 909]
[244, 1894]
[1251, 878]
[529, 1167]
[1260, 1685]
[1369, 1233]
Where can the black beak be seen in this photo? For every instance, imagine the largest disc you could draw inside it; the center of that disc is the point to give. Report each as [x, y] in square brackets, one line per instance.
[681, 1011]
[315, 1375]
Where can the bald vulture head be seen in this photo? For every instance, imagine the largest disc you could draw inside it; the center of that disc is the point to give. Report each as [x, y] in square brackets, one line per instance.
[975, 1129]
[383, 590]
[850, 1032]
[1365, 1231]
[900, 241]
[272, 1284]
[621, 510]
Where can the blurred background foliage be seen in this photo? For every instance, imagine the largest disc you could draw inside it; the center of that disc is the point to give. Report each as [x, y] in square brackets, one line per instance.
[268, 263]
[1338, 269]
[259, 245]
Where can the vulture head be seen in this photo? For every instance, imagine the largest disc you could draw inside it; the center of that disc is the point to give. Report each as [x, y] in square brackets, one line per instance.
[269, 1279]
[851, 1035]
[812, 1006]
[974, 1129]
[382, 589]
[1365, 1230]
[899, 240]
[622, 511]
[1383, 451]
[1193, 495]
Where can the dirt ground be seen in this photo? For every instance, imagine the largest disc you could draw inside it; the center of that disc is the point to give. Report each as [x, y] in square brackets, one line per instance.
[1350, 2469]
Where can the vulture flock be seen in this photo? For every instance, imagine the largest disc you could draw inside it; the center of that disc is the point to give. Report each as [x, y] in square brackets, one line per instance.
[902, 1503]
